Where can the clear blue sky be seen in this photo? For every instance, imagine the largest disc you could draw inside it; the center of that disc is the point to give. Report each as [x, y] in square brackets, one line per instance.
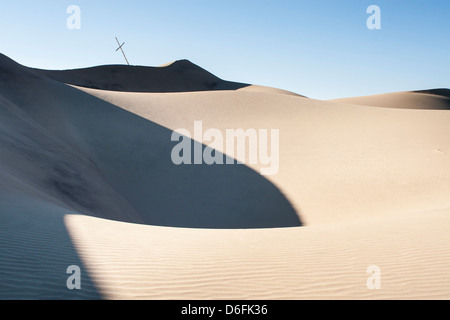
[318, 48]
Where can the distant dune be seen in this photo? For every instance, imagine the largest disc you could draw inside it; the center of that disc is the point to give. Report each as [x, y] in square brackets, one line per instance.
[178, 76]
[86, 179]
[437, 99]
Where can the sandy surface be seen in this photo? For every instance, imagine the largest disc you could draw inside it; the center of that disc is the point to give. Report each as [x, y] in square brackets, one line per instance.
[87, 180]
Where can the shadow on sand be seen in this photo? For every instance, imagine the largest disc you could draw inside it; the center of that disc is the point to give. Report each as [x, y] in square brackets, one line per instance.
[134, 155]
[35, 252]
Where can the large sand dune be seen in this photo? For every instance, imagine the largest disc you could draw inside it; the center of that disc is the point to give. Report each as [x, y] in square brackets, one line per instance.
[87, 180]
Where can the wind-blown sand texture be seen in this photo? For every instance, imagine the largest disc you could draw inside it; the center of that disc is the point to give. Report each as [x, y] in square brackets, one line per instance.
[86, 179]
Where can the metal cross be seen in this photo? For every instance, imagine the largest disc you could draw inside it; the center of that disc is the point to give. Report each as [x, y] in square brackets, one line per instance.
[120, 48]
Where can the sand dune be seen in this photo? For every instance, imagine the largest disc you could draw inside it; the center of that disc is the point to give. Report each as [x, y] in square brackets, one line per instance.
[87, 180]
[178, 76]
[134, 160]
[337, 161]
[437, 99]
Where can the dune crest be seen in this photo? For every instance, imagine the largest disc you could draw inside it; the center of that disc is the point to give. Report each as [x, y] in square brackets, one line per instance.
[178, 76]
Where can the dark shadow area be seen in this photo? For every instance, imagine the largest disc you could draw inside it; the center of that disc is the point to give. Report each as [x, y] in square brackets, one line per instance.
[439, 92]
[101, 153]
[35, 252]
[181, 76]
